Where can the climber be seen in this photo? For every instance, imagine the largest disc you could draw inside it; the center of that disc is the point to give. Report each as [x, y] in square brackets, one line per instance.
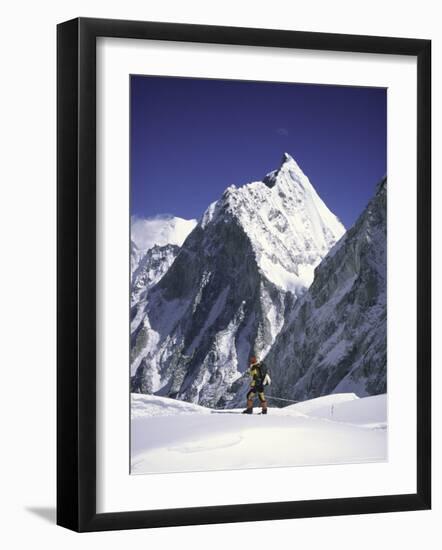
[260, 378]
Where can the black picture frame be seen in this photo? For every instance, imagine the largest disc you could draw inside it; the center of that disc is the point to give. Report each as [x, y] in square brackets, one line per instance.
[76, 274]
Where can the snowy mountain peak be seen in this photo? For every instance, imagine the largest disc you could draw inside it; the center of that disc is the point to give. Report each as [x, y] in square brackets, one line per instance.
[288, 170]
[289, 164]
[287, 158]
[289, 226]
[226, 292]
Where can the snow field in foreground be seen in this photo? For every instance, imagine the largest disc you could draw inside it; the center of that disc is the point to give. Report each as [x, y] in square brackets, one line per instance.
[174, 436]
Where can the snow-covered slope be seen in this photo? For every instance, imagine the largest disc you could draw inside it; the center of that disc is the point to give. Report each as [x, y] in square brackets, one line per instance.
[172, 436]
[226, 294]
[347, 407]
[335, 338]
[150, 405]
[160, 230]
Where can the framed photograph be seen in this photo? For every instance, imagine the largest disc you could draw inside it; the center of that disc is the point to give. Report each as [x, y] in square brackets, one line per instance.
[243, 274]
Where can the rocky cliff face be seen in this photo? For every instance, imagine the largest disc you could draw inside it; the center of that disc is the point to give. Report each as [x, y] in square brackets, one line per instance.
[229, 289]
[148, 268]
[334, 340]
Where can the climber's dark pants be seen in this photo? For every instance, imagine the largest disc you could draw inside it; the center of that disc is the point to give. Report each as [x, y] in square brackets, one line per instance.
[257, 390]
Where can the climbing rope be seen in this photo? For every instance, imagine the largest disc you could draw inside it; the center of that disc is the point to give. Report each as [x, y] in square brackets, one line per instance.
[281, 399]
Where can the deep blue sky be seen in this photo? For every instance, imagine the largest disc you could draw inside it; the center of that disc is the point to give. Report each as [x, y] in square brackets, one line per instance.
[192, 138]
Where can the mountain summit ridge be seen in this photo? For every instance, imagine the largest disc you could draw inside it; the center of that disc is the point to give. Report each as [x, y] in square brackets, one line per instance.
[287, 162]
[287, 222]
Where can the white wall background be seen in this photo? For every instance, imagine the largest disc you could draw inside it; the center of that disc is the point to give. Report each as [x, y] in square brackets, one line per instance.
[27, 289]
